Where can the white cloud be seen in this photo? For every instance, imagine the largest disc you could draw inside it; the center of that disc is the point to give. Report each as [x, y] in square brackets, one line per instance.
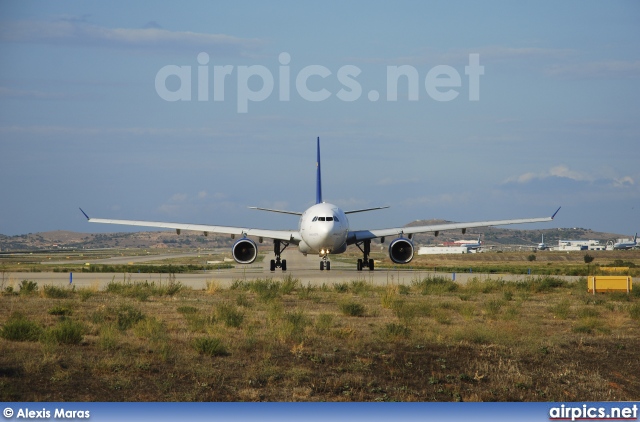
[461, 56]
[564, 172]
[624, 181]
[179, 197]
[561, 171]
[611, 69]
[202, 194]
[33, 94]
[154, 37]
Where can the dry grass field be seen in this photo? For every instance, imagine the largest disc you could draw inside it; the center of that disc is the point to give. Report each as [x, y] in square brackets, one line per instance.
[541, 339]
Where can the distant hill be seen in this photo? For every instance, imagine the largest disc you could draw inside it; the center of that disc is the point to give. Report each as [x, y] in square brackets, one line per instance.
[168, 239]
[72, 240]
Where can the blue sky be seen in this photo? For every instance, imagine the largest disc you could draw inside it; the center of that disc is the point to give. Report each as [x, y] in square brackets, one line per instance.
[83, 119]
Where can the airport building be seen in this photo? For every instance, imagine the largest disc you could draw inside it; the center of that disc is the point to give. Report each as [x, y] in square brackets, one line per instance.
[579, 245]
[433, 250]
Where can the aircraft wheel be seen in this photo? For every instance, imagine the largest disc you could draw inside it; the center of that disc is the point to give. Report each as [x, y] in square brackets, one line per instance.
[359, 266]
[370, 264]
[272, 265]
[328, 265]
[321, 265]
[284, 265]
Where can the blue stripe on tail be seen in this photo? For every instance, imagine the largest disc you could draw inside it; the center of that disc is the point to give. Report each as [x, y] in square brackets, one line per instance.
[318, 177]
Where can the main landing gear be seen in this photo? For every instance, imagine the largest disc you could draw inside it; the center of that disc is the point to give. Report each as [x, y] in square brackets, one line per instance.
[277, 250]
[365, 262]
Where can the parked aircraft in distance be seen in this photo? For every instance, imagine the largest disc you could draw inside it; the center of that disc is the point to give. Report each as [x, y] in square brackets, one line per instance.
[323, 229]
[627, 245]
[472, 246]
[542, 246]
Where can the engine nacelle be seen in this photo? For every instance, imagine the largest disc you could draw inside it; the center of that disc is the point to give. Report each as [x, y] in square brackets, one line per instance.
[401, 251]
[244, 251]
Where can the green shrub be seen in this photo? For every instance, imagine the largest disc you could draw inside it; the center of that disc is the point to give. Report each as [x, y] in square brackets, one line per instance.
[352, 309]
[238, 285]
[341, 287]
[210, 346]
[474, 335]
[187, 310]
[541, 284]
[230, 315]
[324, 323]
[243, 300]
[561, 310]
[405, 313]
[67, 332]
[19, 328]
[359, 287]
[60, 310]
[289, 284]
[267, 290]
[126, 316]
[588, 325]
[396, 330]
[198, 323]
[108, 337]
[85, 294]
[142, 290]
[588, 312]
[403, 290]
[493, 307]
[151, 328]
[54, 292]
[291, 326]
[435, 285]
[634, 311]
[28, 287]
[389, 297]
[308, 293]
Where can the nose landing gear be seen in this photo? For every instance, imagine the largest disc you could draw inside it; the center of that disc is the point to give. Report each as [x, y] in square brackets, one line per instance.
[325, 264]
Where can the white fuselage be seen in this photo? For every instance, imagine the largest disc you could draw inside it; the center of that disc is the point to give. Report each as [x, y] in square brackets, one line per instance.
[323, 229]
[625, 245]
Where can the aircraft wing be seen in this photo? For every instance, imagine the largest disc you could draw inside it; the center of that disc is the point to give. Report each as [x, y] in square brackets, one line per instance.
[285, 235]
[360, 235]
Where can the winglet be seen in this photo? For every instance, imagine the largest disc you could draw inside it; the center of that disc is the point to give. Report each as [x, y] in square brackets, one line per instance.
[85, 214]
[318, 178]
[554, 214]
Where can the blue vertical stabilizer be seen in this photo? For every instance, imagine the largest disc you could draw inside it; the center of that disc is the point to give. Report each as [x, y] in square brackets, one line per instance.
[318, 178]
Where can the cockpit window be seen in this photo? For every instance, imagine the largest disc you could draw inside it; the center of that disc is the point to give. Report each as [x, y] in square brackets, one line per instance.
[329, 218]
[315, 219]
[335, 218]
[320, 218]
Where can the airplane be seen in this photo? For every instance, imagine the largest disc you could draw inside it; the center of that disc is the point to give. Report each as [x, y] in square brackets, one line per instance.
[627, 245]
[472, 246]
[542, 246]
[323, 229]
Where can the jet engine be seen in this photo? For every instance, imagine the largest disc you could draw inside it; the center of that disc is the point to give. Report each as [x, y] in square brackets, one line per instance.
[244, 251]
[401, 251]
